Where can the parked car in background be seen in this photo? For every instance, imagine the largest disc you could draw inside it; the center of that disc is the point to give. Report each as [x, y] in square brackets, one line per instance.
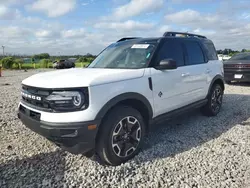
[63, 64]
[54, 64]
[222, 57]
[226, 57]
[237, 68]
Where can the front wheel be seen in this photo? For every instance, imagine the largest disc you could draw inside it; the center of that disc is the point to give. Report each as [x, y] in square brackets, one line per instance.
[213, 106]
[121, 135]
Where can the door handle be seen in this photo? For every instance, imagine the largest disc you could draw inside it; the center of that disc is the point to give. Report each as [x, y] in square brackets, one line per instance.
[208, 71]
[185, 74]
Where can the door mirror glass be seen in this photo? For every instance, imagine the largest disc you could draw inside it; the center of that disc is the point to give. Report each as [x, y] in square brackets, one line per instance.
[166, 64]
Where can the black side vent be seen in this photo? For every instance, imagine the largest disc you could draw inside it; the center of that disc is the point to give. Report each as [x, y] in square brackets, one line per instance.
[150, 83]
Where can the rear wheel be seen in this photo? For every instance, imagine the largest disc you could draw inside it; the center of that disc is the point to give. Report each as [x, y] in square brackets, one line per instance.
[62, 66]
[121, 135]
[213, 106]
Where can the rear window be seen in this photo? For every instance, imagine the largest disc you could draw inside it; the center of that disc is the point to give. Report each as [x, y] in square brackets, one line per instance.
[210, 51]
[195, 54]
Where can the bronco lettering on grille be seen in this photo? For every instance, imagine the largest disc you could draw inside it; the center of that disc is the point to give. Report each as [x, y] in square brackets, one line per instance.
[26, 95]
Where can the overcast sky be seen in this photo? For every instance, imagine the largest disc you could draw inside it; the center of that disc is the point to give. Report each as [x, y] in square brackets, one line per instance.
[87, 26]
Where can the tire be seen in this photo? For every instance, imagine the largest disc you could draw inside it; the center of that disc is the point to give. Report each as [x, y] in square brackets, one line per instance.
[90, 153]
[215, 97]
[113, 135]
[62, 66]
[228, 82]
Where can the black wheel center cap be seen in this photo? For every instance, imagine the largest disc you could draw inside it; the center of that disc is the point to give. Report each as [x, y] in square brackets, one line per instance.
[126, 136]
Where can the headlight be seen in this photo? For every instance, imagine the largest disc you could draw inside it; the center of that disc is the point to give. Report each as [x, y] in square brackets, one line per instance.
[66, 100]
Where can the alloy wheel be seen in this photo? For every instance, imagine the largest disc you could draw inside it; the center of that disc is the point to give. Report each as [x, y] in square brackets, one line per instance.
[126, 136]
[216, 100]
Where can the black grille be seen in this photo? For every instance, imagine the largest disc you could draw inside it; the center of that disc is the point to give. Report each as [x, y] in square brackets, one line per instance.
[41, 104]
[36, 98]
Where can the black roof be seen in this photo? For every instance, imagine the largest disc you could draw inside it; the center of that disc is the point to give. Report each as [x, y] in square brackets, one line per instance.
[168, 34]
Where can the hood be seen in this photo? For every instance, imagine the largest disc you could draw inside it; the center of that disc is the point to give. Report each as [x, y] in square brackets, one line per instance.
[81, 77]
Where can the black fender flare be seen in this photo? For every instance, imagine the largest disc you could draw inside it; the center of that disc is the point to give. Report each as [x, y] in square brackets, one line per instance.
[125, 96]
[217, 77]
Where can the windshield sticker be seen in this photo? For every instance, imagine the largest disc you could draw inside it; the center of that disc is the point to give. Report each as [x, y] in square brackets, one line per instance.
[148, 55]
[141, 46]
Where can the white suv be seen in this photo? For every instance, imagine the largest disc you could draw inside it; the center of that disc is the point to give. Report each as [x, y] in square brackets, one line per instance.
[108, 107]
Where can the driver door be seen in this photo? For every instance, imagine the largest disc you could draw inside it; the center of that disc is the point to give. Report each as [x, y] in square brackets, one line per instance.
[169, 90]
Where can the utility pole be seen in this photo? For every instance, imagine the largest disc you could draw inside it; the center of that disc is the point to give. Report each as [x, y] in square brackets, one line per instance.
[3, 50]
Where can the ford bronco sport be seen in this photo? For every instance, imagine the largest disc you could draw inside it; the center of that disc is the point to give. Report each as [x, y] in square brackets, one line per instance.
[108, 107]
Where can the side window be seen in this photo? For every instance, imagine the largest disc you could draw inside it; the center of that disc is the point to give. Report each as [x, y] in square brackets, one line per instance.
[211, 51]
[194, 53]
[172, 50]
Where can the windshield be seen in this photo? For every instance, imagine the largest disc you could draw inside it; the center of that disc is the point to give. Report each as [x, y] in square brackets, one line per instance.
[241, 56]
[124, 55]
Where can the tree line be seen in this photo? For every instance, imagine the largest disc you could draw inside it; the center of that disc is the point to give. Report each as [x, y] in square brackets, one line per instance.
[47, 56]
[44, 59]
[230, 52]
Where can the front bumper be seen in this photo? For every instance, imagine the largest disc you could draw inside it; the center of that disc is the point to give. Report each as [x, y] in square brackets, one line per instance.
[73, 137]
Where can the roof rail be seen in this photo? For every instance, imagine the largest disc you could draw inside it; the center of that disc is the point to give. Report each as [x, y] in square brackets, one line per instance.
[127, 38]
[170, 33]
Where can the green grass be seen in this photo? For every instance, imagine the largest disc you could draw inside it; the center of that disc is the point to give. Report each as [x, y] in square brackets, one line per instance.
[81, 64]
[50, 65]
[31, 66]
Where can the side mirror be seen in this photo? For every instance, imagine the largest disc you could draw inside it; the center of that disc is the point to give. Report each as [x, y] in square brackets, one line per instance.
[166, 64]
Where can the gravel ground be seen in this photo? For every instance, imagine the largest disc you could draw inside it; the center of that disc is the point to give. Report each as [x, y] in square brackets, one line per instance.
[192, 151]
